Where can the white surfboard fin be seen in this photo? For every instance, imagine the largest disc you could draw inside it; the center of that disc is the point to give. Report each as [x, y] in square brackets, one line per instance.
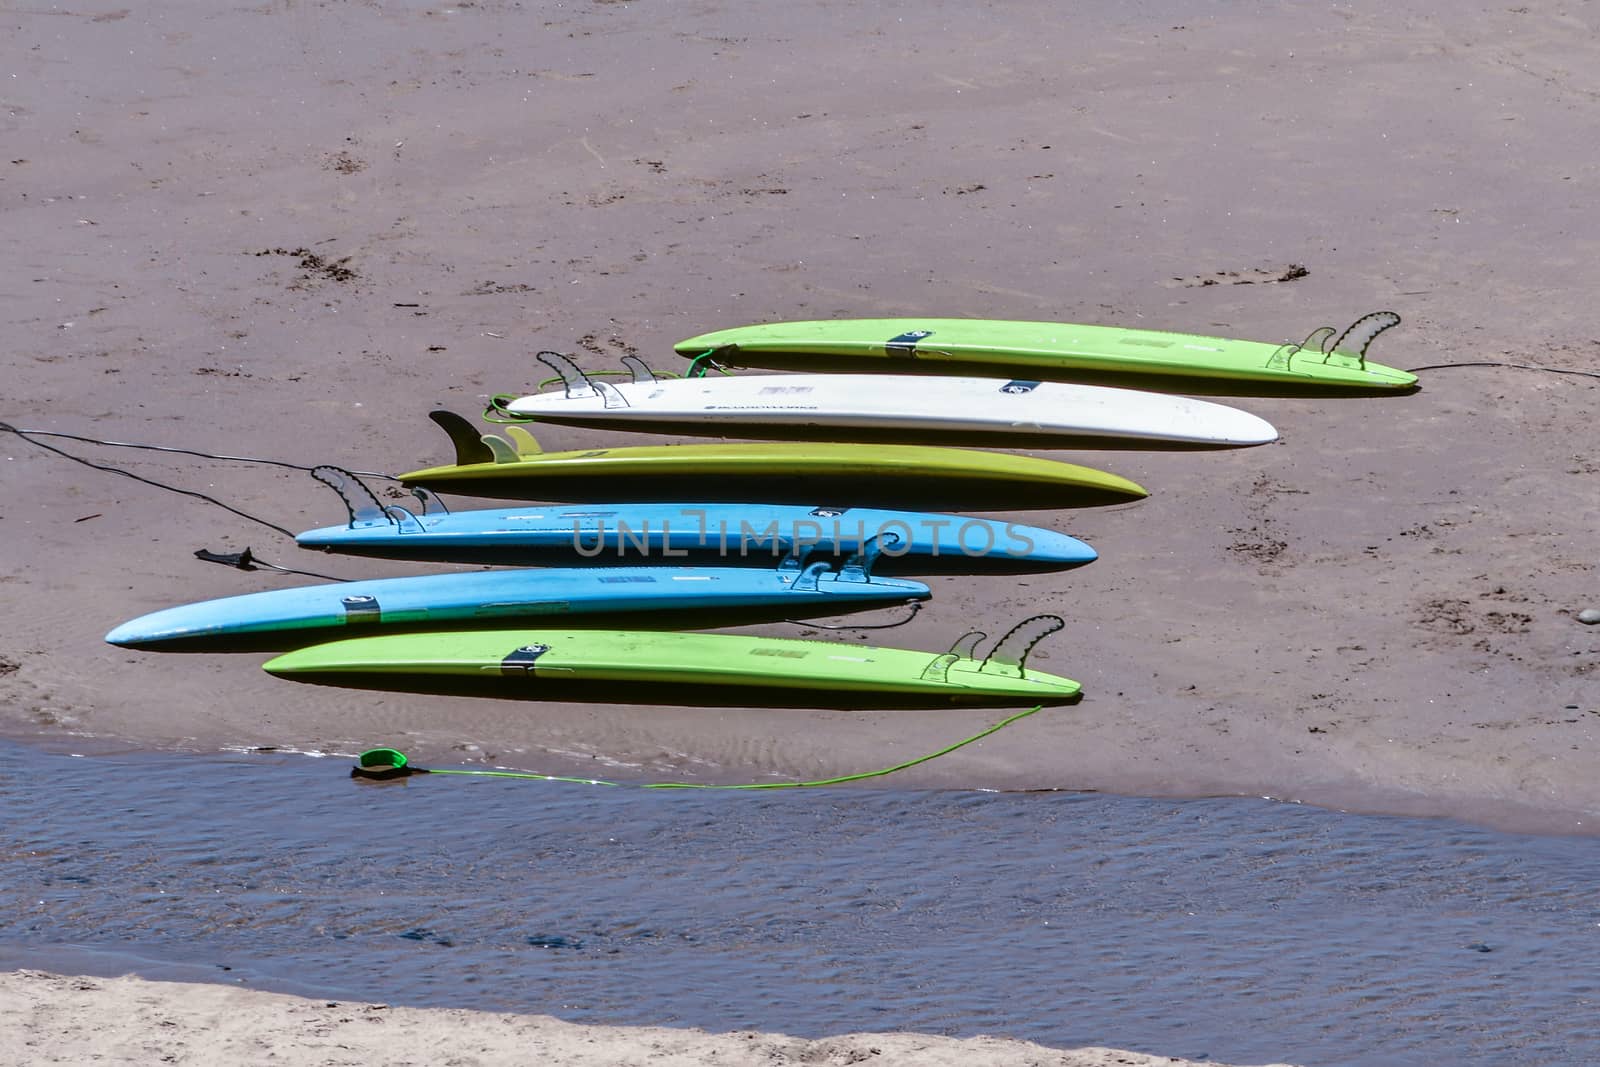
[1010, 653]
[639, 370]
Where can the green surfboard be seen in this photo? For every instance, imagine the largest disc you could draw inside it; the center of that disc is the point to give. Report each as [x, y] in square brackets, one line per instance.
[529, 656]
[515, 467]
[1325, 361]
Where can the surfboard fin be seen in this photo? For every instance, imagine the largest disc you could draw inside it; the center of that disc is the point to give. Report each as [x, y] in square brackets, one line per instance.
[858, 568]
[1347, 349]
[939, 669]
[431, 504]
[1010, 653]
[523, 443]
[1359, 335]
[963, 649]
[1317, 339]
[363, 505]
[468, 442]
[501, 449]
[808, 577]
[577, 383]
[636, 367]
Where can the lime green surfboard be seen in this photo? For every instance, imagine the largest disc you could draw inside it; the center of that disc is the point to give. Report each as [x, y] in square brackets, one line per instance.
[695, 659]
[1324, 361]
[514, 467]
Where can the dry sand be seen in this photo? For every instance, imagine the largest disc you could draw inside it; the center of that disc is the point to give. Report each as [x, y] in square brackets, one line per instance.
[290, 229]
[54, 1019]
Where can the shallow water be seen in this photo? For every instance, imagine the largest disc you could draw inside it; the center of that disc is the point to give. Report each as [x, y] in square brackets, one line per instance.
[1238, 930]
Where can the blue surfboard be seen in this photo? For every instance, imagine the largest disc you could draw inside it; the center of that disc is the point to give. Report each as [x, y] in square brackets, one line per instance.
[675, 530]
[486, 596]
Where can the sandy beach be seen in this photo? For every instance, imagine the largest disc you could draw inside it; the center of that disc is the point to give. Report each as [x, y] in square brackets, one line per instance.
[289, 230]
[56, 1019]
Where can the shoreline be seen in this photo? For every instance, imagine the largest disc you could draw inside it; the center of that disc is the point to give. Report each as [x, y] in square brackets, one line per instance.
[70, 1018]
[1355, 799]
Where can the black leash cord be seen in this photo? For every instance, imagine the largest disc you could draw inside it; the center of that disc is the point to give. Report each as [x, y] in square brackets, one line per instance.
[1517, 366]
[169, 448]
[914, 605]
[24, 434]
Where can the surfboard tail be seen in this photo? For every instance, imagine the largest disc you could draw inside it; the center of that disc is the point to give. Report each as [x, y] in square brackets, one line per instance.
[1349, 347]
[473, 447]
[1009, 656]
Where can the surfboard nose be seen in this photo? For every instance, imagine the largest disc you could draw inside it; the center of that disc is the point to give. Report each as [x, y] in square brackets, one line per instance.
[1048, 546]
[1248, 429]
[158, 626]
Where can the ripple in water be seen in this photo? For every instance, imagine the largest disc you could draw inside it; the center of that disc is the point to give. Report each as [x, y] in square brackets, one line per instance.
[1240, 930]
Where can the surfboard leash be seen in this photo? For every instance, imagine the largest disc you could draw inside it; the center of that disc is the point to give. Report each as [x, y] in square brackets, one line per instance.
[913, 607]
[261, 461]
[704, 362]
[1514, 366]
[248, 561]
[27, 435]
[30, 435]
[383, 764]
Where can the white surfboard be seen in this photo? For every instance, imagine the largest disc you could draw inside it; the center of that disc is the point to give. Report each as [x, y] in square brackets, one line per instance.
[890, 402]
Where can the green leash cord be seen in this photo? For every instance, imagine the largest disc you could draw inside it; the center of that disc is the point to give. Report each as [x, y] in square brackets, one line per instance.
[385, 763]
[703, 362]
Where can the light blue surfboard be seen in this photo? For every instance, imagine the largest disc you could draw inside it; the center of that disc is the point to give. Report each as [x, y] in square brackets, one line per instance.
[665, 531]
[814, 589]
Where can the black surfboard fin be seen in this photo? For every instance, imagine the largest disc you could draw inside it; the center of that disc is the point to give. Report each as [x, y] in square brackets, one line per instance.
[469, 444]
